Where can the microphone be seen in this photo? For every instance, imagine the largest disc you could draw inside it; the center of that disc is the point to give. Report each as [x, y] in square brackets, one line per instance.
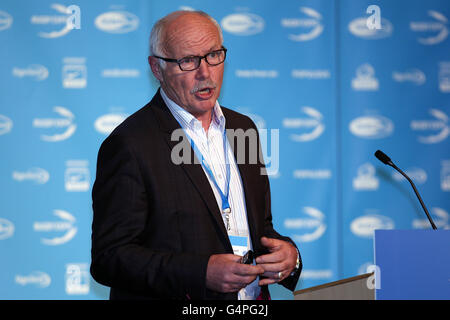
[386, 160]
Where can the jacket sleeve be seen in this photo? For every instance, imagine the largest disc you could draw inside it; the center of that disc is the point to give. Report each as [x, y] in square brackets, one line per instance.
[269, 231]
[120, 213]
[291, 281]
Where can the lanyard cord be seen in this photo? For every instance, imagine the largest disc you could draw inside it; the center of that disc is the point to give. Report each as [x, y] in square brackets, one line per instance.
[226, 208]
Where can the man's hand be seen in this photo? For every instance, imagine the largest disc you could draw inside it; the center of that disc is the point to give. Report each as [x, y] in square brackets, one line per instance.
[279, 263]
[225, 274]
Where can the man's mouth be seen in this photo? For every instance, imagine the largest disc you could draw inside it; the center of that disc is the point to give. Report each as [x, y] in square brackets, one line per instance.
[204, 93]
[204, 90]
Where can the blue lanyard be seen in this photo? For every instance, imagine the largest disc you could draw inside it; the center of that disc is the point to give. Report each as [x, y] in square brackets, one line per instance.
[226, 208]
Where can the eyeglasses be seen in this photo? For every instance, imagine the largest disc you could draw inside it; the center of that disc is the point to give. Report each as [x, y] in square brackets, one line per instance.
[191, 63]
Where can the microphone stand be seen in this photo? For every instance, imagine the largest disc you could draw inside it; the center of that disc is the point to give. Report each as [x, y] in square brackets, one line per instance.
[386, 160]
[417, 194]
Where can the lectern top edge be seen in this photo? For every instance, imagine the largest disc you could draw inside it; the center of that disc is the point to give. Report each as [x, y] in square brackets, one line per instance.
[334, 283]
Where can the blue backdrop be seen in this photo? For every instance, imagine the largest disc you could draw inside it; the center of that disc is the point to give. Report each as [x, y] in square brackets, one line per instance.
[335, 89]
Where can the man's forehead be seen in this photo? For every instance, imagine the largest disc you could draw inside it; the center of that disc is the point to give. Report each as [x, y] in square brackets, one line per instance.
[193, 35]
[189, 22]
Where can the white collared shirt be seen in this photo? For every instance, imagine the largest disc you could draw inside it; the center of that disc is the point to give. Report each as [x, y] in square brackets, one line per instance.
[210, 145]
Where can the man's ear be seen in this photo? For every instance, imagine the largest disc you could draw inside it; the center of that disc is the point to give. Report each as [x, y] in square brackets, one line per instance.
[156, 67]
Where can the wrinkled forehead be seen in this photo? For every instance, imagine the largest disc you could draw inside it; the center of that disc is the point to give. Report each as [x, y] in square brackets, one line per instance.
[190, 34]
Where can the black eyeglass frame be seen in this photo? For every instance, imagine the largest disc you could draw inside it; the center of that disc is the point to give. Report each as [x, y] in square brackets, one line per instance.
[178, 61]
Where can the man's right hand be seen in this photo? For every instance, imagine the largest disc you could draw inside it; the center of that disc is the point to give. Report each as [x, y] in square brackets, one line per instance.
[226, 274]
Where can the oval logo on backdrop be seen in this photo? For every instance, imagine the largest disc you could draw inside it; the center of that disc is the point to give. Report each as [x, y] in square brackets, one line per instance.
[117, 22]
[5, 124]
[310, 127]
[35, 71]
[38, 278]
[311, 222]
[243, 24]
[358, 27]
[6, 229]
[108, 122]
[66, 121]
[365, 226]
[5, 20]
[371, 127]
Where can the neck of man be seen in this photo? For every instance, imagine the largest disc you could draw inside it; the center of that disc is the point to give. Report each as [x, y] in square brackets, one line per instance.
[205, 118]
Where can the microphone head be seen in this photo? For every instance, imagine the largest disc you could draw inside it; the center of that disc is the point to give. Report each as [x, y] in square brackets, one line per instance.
[383, 157]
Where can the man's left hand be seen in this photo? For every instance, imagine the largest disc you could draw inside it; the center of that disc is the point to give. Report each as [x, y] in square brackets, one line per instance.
[279, 263]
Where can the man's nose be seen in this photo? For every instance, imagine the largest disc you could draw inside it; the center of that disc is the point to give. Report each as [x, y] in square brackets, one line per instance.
[203, 69]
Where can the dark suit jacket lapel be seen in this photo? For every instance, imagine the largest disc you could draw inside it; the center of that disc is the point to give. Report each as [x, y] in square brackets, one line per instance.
[195, 171]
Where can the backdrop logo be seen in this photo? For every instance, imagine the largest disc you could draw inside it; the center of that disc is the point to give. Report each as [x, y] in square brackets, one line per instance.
[358, 27]
[69, 18]
[366, 178]
[120, 73]
[37, 278]
[117, 22]
[440, 218]
[312, 274]
[76, 177]
[365, 78]
[34, 71]
[435, 31]
[6, 124]
[438, 127]
[64, 122]
[418, 175]
[243, 24]
[65, 226]
[364, 226]
[313, 225]
[268, 74]
[5, 20]
[414, 76]
[310, 74]
[37, 175]
[74, 73]
[6, 229]
[310, 127]
[186, 8]
[106, 123]
[318, 174]
[371, 127]
[444, 77]
[310, 25]
[77, 278]
[445, 175]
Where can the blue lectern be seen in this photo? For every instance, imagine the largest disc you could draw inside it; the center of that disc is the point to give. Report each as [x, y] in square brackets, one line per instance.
[412, 264]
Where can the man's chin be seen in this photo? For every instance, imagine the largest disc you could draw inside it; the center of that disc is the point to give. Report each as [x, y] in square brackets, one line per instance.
[204, 105]
[200, 109]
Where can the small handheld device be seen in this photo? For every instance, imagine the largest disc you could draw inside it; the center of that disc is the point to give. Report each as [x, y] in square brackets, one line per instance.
[248, 257]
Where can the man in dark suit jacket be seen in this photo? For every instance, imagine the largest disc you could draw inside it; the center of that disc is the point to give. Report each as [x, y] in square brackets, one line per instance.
[157, 230]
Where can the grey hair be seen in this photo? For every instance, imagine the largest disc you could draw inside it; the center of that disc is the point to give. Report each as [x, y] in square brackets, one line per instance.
[156, 41]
